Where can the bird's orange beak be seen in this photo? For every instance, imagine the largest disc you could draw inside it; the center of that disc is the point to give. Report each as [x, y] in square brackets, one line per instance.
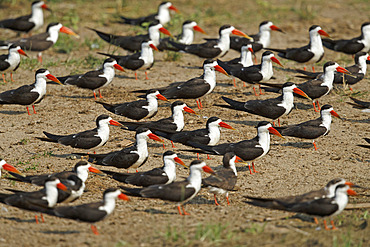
[154, 137]
[123, 197]
[275, 28]
[275, 60]
[165, 31]
[225, 125]
[273, 131]
[94, 170]
[174, 9]
[161, 97]
[153, 47]
[220, 69]
[199, 29]
[67, 31]
[351, 192]
[332, 112]
[189, 110]
[240, 33]
[178, 160]
[323, 33]
[62, 187]
[119, 67]
[238, 159]
[208, 169]
[114, 122]
[53, 78]
[342, 70]
[300, 92]
[10, 168]
[20, 51]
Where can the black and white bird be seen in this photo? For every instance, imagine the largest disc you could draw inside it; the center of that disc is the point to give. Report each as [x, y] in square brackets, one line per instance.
[326, 202]
[27, 23]
[90, 212]
[319, 86]
[311, 129]
[309, 54]
[247, 150]
[224, 179]
[4, 165]
[212, 48]
[360, 104]
[253, 74]
[163, 16]
[358, 71]
[194, 88]
[172, 124]
[29, 94]
[10, 62]
[260, 40]
[208, 136]
[87, 139]
[37, 201]
[133, 43]
[75, 186]
[163, 175]
[139, 109]
[130, 157]
[96, 79]
[186, 37]
[40, 42]
[179, 192]
[142, 60]
[270, 108]
[351, 46]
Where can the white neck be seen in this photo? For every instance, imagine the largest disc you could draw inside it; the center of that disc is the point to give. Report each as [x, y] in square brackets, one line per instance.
[163, 15]
[147, 56]
[232, 166]
[209, 75]
[178, 118]
[363, 65]
[195, 179]
[2, 162]
[316, 47]
[288, 102]
[246, 58]
[266, 70]
[152, 106]
[154, 35]
[214, 135]
[328, 78]
[82, 174]
[264, 141]
[108, 73]
[51, 192]
[170, 170]
[109, 205]
[53, 35]
[264, 38]
[103, 133]
[37, 17]
[341, 199]
[13, 59]
[366, 40]
[326, 120]
[224, 43]
[187, 36]
[40, 88]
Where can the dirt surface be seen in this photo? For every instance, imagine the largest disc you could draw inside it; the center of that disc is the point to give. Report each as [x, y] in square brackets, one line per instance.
[291, 167]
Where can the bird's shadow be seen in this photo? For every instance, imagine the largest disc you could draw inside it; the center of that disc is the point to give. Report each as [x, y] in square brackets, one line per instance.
[153, 211]
[13, 112]
[76, 97]
[125, 77]
[19, 220]
[357, 121]
[60, 232]
[303, 145]
[200, 200]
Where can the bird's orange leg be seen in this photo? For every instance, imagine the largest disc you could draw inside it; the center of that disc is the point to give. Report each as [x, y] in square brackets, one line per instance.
[208, 158]
[34, 110]
[173, 146]
[178, 208]
[146, 75]
[94, 230]
[227, 199]
[11, 77]
[135, 75]
[94, 95]
[314, 106]
[316, 221]
[333, 226]
[42, 218]
[253, 168]
[313, 69]
[39, 58]
[249, 166]
[259, 86]
[318, 106]
[28, 110]
[279, 122]
[100, 96]
[4, 78]
[234, 82]
[37, 220]
[255, 93]
[217, 204]
[326, 227]
[183, 210]
[314, 144]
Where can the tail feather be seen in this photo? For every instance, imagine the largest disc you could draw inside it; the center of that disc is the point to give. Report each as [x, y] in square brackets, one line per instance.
[18, 177]
[132, 191]
[226, 67]
[237, 105]
[107, 106]
[265, 203]
[328, 43]
[104, 36]
[121, 177]
[116, 57]
[178, 46]
[52, 137]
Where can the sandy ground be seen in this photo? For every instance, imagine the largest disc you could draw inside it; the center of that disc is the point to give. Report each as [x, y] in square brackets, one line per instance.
[291, 167]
